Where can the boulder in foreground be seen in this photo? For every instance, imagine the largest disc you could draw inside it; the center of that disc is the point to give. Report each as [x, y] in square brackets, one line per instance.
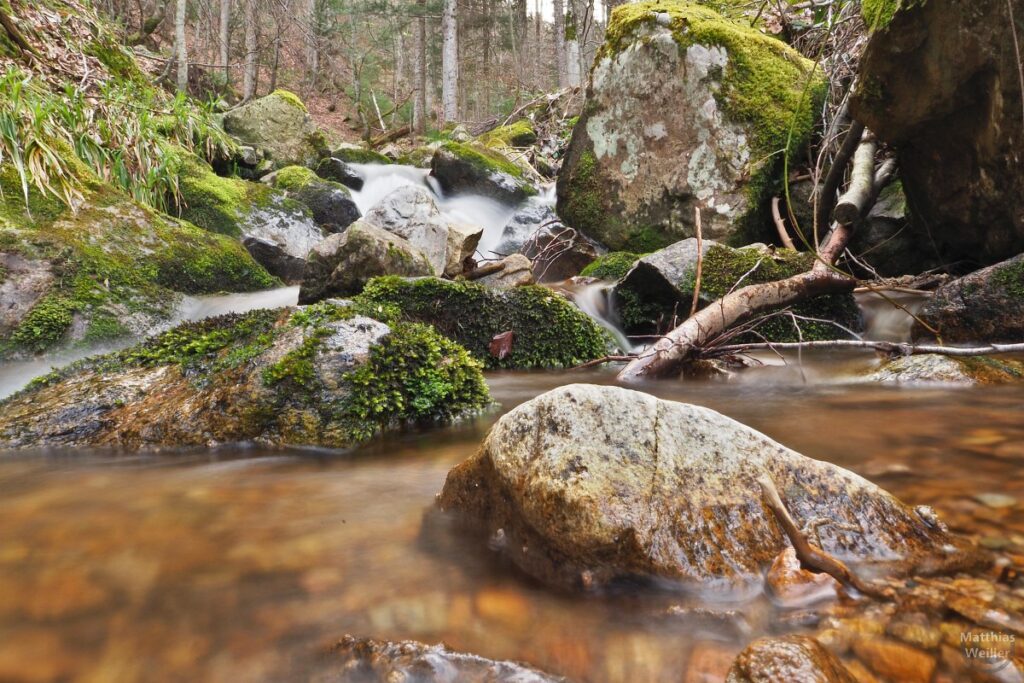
[587, 485]
[323, 375]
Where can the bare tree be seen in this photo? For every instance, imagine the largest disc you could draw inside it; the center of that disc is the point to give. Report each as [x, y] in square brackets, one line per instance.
[450, 61]
[225, 40]
[560, 52]
[249, 78]
[181, 50]
[419, 105]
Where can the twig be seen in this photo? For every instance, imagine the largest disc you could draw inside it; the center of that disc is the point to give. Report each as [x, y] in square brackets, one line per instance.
[812, 557]
[894, 348]
[780, 226]
[602, 361]
[700, 260]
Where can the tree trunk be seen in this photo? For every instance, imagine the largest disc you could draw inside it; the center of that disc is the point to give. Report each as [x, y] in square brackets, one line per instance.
[450, 61]
[560, 51]
[225, 40]
[249, 78]
[419, 104]
[312, 41]
[181, 51]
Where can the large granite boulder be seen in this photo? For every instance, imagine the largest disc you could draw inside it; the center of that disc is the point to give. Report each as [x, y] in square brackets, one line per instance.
[411, 213]
[365, 660]
[343, 263]
[983, 307]
[685, 110]
[472, 168]
[588, 485]
[940, 81]
[280, 125]
[324, 375]
[657, 291]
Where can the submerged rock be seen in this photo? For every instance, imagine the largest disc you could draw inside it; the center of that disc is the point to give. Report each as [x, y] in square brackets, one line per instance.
[685, 110]
[323, 375]
[658, 289]
[589, 485]
[329, 202]
[789, 658]
[365, 660]
[939, 369]
[472, 168]
[280, 125]
[410, 212]
[343, 263]
[547, 329]
[984, 307]
[940, 82]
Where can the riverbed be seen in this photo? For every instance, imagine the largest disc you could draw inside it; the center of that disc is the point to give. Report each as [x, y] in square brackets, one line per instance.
[246, 564]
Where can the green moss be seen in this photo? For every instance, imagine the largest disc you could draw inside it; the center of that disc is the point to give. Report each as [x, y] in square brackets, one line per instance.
[878, 14]
[358, 155]
[118, 61]
[294, 178]
[518, 134]
[611, 266]
[45, 324]
[1011, 278]
[582, 201]
[989, 370]
[291, 98]
[548, 330]
[485, 159]
[213, 202]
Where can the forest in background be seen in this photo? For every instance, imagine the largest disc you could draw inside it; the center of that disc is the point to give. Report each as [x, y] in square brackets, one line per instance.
[369, 66]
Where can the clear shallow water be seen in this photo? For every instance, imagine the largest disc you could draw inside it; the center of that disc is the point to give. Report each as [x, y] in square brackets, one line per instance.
[243, 565]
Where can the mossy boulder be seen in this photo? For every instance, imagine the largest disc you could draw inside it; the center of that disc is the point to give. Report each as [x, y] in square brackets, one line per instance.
[518, 134]
[280, 125]
[329, 202]
[658, 290]
[353, 154]
[612, 266]
[473, 168]
[587, 486]
[685, 110]
[339, 171]
[548, 331]
[278, 230]
[109, 269]
[939, 369]
[936, 82]
[325, 375]
[343, 263]
[984, 307]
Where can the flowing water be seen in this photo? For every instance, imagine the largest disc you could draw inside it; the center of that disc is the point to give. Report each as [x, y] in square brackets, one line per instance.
[245, 564]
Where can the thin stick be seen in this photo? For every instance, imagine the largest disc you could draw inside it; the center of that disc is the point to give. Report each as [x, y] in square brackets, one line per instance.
[787, 242]
[812, 557]
[894, 348]
[1016, 47]
[700, 261]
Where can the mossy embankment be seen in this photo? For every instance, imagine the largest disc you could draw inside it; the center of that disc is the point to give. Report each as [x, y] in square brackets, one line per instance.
[325, 375]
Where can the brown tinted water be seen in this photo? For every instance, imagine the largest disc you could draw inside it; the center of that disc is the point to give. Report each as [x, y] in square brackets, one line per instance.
[244, 565]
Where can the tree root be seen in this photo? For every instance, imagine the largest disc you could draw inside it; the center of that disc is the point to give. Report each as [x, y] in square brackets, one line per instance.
[813, 558]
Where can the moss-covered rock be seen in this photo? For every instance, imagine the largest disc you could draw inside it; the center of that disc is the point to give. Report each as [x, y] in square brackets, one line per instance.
[658, 290]
[279, 124]
[938, 369]
[518, 134]
[611, 266]
[685, 110]
[111, 268]
[548, 330]
[351, 154]
[469, 167]
[329, 202]
[322, 375]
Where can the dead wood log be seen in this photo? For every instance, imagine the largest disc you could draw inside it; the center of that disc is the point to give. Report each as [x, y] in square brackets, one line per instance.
[854, 202]
[835, 176]
[390, 137]
[484, 271]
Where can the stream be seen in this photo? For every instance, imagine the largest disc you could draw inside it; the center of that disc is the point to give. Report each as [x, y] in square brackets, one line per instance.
[243, 563]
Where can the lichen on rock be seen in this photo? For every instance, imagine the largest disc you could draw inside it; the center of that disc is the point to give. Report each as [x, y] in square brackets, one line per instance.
[685, 109]
[280, 124]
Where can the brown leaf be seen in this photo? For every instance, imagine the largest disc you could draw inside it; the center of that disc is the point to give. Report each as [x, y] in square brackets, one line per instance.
[501, 344]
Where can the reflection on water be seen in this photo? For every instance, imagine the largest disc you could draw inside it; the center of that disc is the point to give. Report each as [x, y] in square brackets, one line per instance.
[242, 565]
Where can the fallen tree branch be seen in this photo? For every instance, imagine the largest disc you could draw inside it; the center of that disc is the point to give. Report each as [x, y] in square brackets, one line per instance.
[854, 202]
[484, 271]
[390, 137]
[780, 227]
[812, 557]
[835, 176]
[893, 348]
[700, 260]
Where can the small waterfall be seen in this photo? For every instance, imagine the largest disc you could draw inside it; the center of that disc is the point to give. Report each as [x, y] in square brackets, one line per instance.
[890, 317]
[595, 300]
